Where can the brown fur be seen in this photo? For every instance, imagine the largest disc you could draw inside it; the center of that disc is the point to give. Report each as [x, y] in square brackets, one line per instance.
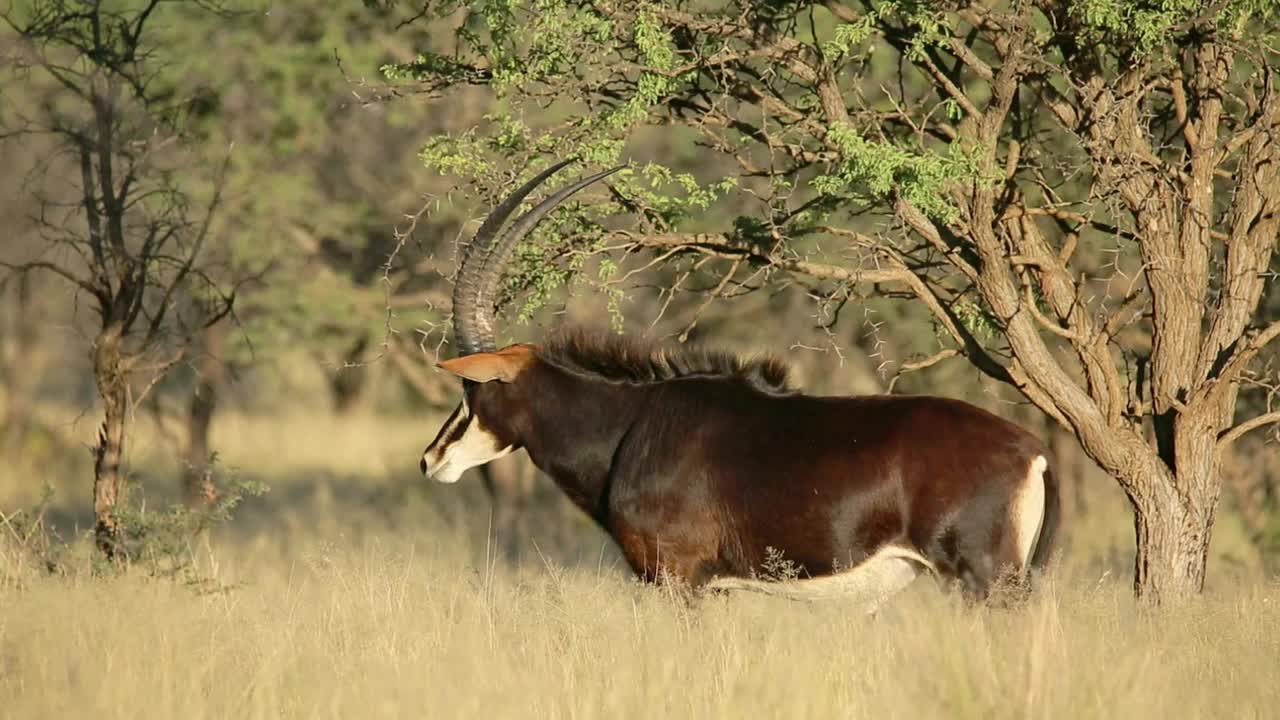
[699, 464]
[620, 359]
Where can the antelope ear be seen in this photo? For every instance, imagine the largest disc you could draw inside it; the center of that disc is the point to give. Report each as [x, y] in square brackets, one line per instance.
[503, 365]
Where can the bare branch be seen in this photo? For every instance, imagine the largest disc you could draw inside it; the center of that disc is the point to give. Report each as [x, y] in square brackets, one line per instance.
[65, 274]
[723, 246]
[1230, 436]
[922, 364]
[710, 298]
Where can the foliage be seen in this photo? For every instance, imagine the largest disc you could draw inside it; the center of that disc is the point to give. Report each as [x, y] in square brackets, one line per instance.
[1143, 26]
[884, 169]
[1004, 166]
[162, 542]
[314, 175]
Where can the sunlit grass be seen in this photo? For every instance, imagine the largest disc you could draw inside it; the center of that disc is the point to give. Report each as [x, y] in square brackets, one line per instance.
[353, 589]
[395, 629]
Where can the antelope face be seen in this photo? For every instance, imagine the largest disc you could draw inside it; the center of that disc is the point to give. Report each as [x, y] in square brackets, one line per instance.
[485, 427]
[463, 443]
[466, 440]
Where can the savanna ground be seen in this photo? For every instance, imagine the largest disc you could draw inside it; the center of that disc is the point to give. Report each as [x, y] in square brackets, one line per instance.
[354, 589]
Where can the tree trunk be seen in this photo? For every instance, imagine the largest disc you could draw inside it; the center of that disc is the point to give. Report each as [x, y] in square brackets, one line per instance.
[1174, 515]
[197, 477]
[108, 479]
[1173, 549]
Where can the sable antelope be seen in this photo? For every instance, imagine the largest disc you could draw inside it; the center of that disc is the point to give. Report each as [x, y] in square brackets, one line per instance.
[704, 466]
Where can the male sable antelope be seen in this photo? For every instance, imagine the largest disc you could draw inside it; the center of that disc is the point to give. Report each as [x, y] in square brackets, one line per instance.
[702, 465]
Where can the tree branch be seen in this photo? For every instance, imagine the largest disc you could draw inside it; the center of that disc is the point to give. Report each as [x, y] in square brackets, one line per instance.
[23, 268]
[1226, 438]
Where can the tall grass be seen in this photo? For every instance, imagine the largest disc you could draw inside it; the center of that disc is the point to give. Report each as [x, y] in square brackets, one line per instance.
[363, 593]
[399, 630]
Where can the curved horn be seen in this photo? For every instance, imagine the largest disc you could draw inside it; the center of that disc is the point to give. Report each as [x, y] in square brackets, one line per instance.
[467, 308]
[491, 273]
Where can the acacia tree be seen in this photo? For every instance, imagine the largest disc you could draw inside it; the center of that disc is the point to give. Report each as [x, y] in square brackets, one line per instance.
[1083, 195]
[125, 236]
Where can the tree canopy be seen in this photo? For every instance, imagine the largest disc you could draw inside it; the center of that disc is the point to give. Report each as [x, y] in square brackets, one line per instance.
[1082, 195]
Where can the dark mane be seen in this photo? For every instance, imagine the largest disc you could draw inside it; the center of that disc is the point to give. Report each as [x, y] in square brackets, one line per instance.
[616, 358]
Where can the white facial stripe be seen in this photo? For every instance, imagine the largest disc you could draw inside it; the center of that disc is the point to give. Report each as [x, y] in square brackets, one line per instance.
[465, 443]
[456, 422]
[434, 454]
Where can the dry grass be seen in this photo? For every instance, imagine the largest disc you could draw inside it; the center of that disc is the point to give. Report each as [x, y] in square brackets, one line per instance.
[408, 631]
[360, 593]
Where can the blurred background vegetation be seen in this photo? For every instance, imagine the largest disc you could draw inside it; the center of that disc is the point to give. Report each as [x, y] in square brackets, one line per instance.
[342, 186]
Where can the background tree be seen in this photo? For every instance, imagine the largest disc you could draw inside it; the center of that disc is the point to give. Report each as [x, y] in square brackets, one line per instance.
[126, 235]
[312, 180]
[1082, 195]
